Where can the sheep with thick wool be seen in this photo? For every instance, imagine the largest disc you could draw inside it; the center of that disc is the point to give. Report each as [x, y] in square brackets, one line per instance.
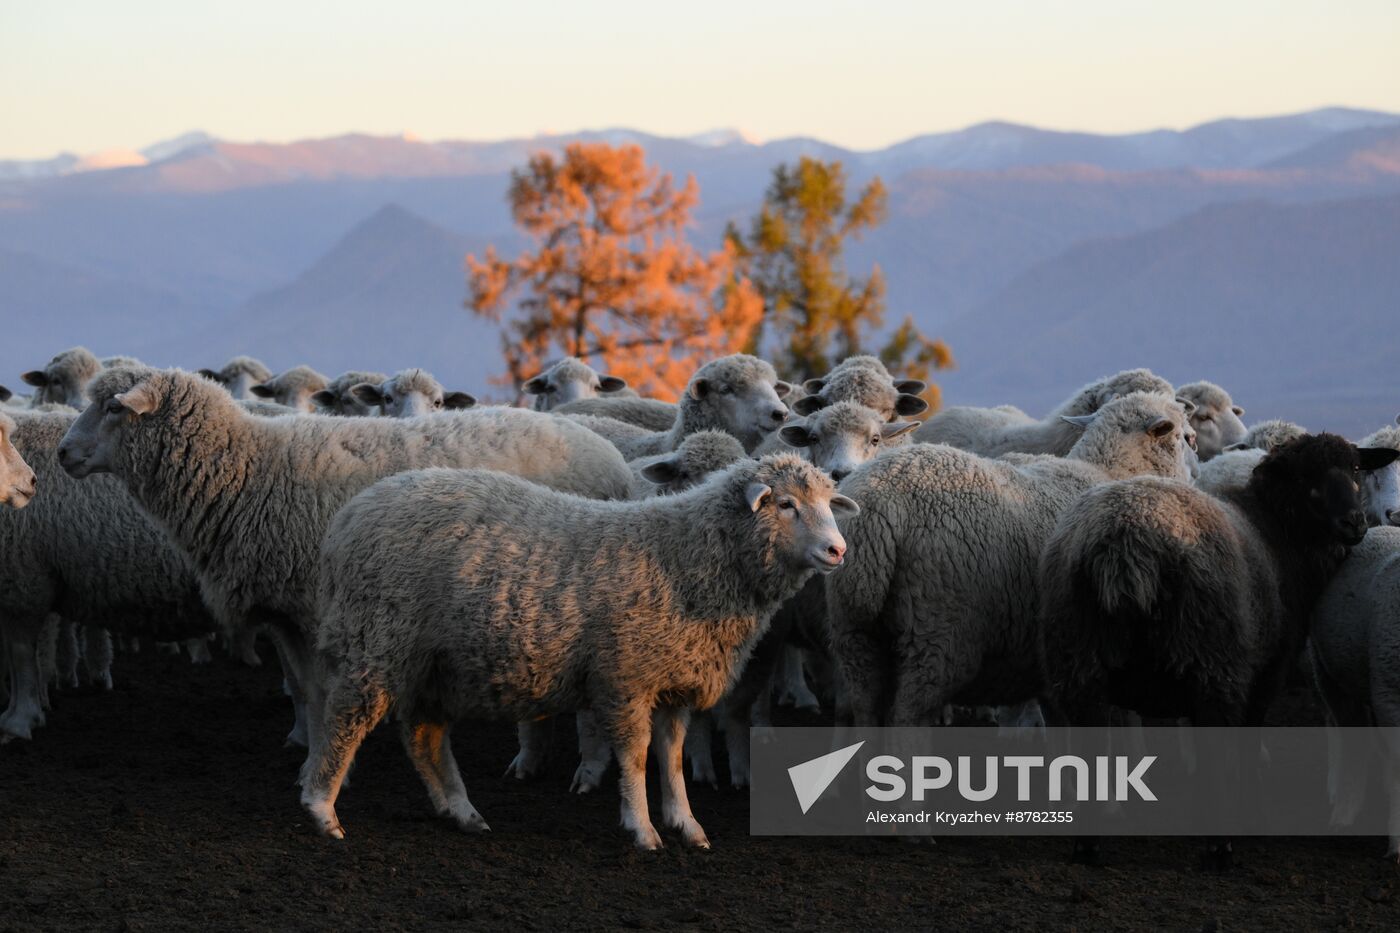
[87, 552]
[338, 398]
[648, 413]
[239, 375]
[939, 603]
[865, 381]
[739, 394]
[444, 594]
[249, 498]
[1216, 418]
[992, 432]
[571, 380]
[63, 378]
[409, 393]
[295, 388]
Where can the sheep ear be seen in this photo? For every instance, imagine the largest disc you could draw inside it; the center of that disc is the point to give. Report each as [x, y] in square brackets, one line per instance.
[1187, 404]
[896, 428]
[1239, 446]
[456, 401]
[844, 505]
[911, 386]
[909, 405]
[699, 388]
[263, 390]
[1239, 412]
[368, 394]
[1161, 427]
[210, 375]
[813, 386]
[1082, 421]
[755, 493]
[808, 404]
[325, 398]
[5, 394]
[1373, 458]
[660, 472]
[782, 388]
[36, 378]
[139, 400]
[611, 383]
[795, 435]
[535, 386]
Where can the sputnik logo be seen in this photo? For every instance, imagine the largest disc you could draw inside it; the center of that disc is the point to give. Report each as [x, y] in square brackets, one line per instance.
[811, 778]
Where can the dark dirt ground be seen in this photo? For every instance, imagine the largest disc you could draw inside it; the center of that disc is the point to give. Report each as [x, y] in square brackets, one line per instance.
[168, 804]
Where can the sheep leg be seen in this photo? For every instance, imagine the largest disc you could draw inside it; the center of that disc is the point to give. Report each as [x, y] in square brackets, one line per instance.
[429, 746]
[243, 645]
[1347, 758]
[350, 712]
[594, 751]
[291, 653]
[97, 656]
[668, 733]
[68, 654]
[25, 712]
[529, 761]
[198, 649]
[699, 750]
[630, 730]
[860, 682]
[46, 654]
[792, 679]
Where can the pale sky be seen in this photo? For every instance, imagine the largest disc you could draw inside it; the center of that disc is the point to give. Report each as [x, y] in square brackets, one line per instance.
[88, 75]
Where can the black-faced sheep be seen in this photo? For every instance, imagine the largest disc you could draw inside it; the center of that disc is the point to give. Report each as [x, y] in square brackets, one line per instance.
[239, 375]
[249, 498]
[444, 595]
[992, 432]
[939, 602]
[410, 393]
[293, 388]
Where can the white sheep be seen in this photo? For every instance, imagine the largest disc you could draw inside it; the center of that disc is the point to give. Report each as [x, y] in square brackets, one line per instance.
[1216, 418]
[239, 375]
[62, 380]
[293, 388]
[1380, 489]
[740, 395]
[570, 380]
[445, 594]
[87, 552]
[337, 398]
[865, 381]
[992, 432]
[1354, 646]
[410, 393]
[248, 498]
[649, 413]
[939, 602]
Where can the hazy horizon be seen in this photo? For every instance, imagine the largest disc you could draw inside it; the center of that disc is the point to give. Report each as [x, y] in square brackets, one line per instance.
[95, 77]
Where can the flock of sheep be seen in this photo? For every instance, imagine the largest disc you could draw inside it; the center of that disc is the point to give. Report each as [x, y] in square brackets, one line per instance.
[638, 564]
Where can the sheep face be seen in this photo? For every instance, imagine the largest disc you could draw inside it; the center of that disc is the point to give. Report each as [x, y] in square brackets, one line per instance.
[1313, 485]
[795, 508]
[293, 388]
[1380, 493]
[746, 400]
[238, 376]
[62, 381]
[17, 480]
[842, 437]
[410, 393]
[864, 386]
[700, 454]
[1217, 428]
[567, 381]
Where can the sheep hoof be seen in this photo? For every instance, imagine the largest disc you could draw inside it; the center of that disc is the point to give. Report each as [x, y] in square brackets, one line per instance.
[647, 839]
[588, 777]
[524, 766]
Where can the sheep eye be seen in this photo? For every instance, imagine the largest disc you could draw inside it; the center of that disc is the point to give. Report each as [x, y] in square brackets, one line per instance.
[788, 504]
[437, 403]
[113, 406]
[875, 439]
[388, 400]
[726, 390]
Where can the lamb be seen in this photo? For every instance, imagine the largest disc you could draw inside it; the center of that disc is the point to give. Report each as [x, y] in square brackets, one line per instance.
[1216, 418]
[445, 594]
[649, 413]
[1354, 649]
[857, 380]
[1151, 590]
[570, 380]
[293, 388]
[63, 379]
[87, 552]
[337, 398]
[239, 375]
[938, 604]
[248, 498]
[738, 394]
[992, 432]
[410, 393]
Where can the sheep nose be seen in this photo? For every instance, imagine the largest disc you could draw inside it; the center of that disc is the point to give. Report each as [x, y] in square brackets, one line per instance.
[836, 550]
[63, 455]
[840, 473]
[778, 414]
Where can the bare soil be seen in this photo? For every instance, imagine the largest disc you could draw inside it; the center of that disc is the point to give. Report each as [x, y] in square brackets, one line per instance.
[168, 804]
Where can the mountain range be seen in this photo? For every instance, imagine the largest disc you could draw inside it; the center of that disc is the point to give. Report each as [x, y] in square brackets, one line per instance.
[1248, 251]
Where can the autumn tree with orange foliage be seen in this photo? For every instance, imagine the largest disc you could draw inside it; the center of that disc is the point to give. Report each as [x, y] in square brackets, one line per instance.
[815, 314]
[611, 279]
